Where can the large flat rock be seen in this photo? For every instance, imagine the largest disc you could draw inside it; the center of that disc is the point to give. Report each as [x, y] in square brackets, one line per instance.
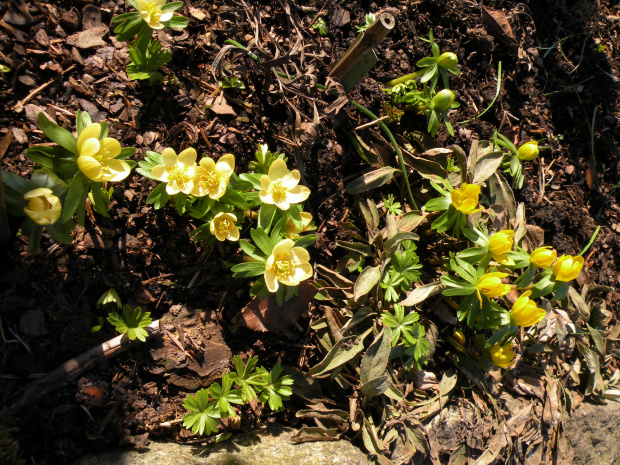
[264, 446]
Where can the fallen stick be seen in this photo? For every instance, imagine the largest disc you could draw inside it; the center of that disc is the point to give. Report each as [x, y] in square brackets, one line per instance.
[72, 368]
[20, 105]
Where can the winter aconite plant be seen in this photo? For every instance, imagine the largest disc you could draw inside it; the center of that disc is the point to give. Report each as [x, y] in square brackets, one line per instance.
[146, 52]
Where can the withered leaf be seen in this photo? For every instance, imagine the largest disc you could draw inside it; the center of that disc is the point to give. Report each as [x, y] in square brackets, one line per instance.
[496, 23]
[267, 315]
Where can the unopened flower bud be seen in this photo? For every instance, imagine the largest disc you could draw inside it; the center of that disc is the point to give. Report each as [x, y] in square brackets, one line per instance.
[528, 151]
[447, 60]
[443, 100]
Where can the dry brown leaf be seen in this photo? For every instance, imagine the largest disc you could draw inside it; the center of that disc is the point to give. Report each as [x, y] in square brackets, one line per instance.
[267, 315]
[496, 23]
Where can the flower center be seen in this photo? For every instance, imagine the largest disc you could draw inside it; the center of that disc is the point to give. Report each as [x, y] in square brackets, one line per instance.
[46, 203]
[278, 192]
[178, 176]
[224, 226]
[284, 269]
[210, 179]
[154, 11]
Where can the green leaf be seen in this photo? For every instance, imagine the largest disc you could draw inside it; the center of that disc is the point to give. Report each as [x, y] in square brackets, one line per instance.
[306, 241]
[367, 279]
[159, 197]
[59, 135]
[172, 6]
[76, 196]
[251, 251]
[262, 241]
[177, 22]
[248, 269]
[266, 214]
[372, 180]
[339, 355]
[205, 416]
[235, 199]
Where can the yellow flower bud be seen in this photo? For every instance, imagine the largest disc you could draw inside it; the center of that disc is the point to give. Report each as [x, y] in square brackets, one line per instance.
[567, 268]
[443, 100]
[447, 60]
[543, 257]
[44, 207]
[502, 356]
[500, 244]
[459, 337]
[491, 285]
[223, 227]
[524, 311]
[528, 151]
[465, 199]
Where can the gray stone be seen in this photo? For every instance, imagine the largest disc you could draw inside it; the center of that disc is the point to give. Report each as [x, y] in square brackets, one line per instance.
[593, 433]
[264, 446]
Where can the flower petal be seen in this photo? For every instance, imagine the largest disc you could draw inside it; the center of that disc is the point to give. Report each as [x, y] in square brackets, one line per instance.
[291, 179]
[282, 247]
[116, 170]
[169, 156]
[277, 170]
[225, 164]
[165, 16]
[271, 280]
[110, 148]
[297, 194]
[90, 147]
[92, 131]
[90, 167]
[188, 157]
[160, 173]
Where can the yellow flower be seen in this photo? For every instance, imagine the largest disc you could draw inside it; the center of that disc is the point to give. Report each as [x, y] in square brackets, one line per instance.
[491, 285]
[287, 264]
[528, 151]
[543, 257]
[567, 268]
[178, 172]
[44, 207]
[524, 311]
[500, 244]
[97, 157]
[465, 199]
[151, 13]
[212, 178]
[292, 232]
[223, 227]
[502, 356]
[280, 187]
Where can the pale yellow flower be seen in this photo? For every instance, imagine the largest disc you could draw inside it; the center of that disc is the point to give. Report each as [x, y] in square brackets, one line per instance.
[543, 257]
[287, 264]
[567, 268]
[465, 198]
[178, 172]
[524, 311]
[292, 232]
[491, 285]
[97, 157]
[500, 244]
[44, 207]
[223, 227]
[502, 356]
[212, 178]
[280, 187]
[151, 13]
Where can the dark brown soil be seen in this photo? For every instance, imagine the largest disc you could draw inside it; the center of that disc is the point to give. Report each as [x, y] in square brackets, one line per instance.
[563, 69]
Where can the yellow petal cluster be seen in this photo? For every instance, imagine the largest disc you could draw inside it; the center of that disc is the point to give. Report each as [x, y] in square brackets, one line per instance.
[223, 227]
[97, 156]
[43, 207]
[280, 186]
[500, 244]
[543, 257]
[177, 171]
[152, 14]
[524, 311]
[212, 178]
[502, 356]
[287, 264]
[465, 198]
[528, 151]
[292, 232]
[567, 268]
[491, 285]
